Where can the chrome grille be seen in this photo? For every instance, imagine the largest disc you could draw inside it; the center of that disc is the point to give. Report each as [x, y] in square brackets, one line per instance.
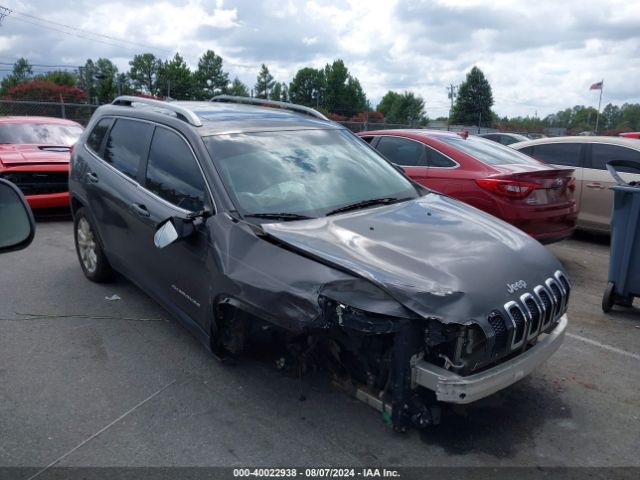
[519, 321]
[533, 314]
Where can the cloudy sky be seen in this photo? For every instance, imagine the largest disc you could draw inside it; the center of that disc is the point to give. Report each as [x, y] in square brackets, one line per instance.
[539, 56]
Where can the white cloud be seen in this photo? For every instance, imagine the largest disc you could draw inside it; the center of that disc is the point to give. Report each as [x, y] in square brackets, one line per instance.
[538, 57]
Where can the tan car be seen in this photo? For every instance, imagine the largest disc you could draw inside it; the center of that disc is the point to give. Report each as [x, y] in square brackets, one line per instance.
[588, 156]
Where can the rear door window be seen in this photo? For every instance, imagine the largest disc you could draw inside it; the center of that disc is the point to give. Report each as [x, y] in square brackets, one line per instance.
[173, 172]
[127, 146]
[402, 151]
[567, 154]
[602, 153]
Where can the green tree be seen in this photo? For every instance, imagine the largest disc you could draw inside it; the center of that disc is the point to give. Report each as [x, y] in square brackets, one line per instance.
[86, 79]
[629, 117]
[308, 87]
[474, 100]
[98, 79]
[344, 94]
[264, 83]
[60, 77]
[144, 72]
[20, 73]
[105, 75]
[276, 93]
[285, 92]
[210, 78]
[238, 88]
[407, 109]
[175, 80]
[123, 84]
[387, 102]
[610, 116]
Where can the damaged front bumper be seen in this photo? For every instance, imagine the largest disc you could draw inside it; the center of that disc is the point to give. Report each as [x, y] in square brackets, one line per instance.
[453, 388]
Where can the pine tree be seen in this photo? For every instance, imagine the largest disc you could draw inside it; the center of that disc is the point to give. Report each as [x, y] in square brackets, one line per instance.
[264, 83]
[474, 100]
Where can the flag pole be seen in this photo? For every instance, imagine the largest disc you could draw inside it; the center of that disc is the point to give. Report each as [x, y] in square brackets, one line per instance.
[599, 103]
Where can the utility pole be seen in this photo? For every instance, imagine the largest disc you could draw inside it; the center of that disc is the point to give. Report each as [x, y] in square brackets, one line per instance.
[451, 93]
[4, 12]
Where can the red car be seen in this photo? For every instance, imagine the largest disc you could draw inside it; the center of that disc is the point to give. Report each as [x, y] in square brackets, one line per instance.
[34, 154]
[529, 194]
[630, 135]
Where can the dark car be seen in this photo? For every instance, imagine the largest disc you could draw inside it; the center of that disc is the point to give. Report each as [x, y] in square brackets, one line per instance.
[268, 219]
[34, 155]
[504, 138]
[531, 195]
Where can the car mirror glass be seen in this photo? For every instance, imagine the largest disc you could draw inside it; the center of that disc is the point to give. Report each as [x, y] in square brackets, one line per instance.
[165, 235]
[17, 226]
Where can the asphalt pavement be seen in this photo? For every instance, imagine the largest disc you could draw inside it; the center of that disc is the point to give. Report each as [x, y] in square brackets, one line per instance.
[89, 379]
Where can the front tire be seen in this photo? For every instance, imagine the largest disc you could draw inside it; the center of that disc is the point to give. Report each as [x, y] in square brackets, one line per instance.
[93, 262]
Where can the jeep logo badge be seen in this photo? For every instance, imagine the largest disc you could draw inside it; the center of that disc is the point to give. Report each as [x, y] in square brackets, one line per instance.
[514, 287]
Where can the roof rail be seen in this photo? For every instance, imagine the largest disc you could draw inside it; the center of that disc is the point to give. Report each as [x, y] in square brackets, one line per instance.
[269, 103]
[181, 112]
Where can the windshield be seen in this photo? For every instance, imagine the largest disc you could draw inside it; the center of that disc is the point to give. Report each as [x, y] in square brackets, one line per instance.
[39, 133]
[308, 172]
[488, 151]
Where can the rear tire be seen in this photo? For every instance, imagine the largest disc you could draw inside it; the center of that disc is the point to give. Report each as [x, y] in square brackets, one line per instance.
[93, 262]
[609, 297]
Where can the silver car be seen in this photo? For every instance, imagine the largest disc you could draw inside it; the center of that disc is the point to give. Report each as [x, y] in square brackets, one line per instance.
[588, 156]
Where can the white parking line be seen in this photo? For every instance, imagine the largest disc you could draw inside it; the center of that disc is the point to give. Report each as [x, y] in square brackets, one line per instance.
[604, 346]
[106, 427]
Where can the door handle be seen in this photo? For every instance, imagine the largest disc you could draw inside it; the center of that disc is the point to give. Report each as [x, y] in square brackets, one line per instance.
[595, 185]
[92, 177]
[139, 209]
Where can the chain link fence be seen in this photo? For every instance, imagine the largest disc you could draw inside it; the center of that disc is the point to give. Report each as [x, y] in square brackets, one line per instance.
[78, 112]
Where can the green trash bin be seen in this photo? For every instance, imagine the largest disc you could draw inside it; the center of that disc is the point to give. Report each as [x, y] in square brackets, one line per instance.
[624, 262]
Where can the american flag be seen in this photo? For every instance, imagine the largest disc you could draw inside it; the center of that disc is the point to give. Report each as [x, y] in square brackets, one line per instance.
[597, 85]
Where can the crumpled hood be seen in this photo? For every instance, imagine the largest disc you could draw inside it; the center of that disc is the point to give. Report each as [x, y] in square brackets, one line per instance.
[32, 154]
[436, 256]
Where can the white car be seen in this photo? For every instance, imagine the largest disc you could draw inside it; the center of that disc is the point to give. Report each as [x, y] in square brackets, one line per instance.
[588, 156]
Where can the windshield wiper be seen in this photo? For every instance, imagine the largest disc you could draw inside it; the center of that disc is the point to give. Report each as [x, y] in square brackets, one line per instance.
[367, 203]
[279, 216]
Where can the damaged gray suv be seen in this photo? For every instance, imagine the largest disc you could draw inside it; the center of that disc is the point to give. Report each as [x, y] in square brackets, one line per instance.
[245, 217]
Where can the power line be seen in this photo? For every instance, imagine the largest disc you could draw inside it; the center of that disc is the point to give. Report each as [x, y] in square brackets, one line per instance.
[42, 22]
[39, 65]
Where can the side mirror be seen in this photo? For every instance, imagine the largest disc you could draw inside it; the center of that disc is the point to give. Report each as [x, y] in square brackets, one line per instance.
[17, 226]
[172, 229]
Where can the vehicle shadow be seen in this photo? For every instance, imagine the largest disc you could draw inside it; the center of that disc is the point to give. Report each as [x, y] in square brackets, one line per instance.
[500, 425]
